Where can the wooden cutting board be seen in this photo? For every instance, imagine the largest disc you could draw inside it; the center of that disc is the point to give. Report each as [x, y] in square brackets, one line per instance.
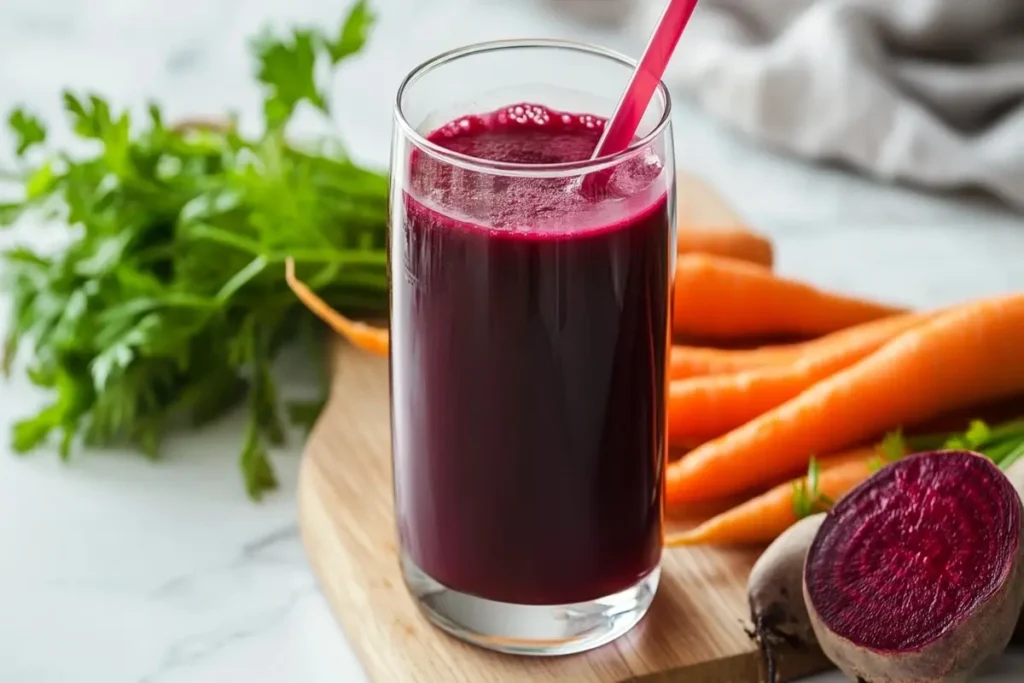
[694, 631]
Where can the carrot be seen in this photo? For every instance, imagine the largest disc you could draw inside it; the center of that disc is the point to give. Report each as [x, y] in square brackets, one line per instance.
[733, 242]
[968, 355]
[701, 408]
[763, 518]
[362, 336]
[723, 298]
[694, 361]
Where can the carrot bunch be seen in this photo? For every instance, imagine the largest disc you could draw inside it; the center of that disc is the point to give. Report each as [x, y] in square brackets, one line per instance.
[969, 355]
[762, 414]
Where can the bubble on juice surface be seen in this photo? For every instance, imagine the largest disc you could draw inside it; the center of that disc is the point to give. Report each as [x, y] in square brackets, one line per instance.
[527, 134]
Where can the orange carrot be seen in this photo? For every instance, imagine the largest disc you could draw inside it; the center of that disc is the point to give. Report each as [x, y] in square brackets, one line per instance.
[723, 298]
[708, 407]
[763, 518]
[702, 408]
[362, 336]
[968, 355]
[733, 242]
[695, 361]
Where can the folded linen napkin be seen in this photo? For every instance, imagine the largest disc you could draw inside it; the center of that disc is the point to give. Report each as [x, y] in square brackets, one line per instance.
[929, 92]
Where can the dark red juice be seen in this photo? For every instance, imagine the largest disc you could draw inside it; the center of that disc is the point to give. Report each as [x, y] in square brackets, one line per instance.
[529, 340]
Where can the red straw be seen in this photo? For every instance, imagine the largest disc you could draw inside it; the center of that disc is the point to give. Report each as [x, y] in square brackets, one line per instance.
[621, 128]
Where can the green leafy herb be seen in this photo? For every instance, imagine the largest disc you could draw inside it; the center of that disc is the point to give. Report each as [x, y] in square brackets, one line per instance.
[168, 302]
[287, 67]
[28, 130]
[353, 35]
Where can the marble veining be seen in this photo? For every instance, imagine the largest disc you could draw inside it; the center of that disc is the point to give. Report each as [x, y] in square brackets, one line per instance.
[117, 570]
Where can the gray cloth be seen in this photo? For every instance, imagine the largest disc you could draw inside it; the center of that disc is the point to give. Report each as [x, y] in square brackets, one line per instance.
[929, 92]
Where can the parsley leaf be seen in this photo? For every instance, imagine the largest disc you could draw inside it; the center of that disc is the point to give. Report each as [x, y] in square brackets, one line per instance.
[168, 304]
[28, 130]
[354, 33]
[287, 69]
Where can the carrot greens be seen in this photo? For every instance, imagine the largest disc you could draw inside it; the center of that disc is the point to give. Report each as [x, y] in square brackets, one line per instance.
[807, 496]
[1003, 444]
[167, 300]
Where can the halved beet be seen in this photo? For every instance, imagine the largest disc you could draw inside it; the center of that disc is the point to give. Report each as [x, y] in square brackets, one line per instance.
[916, 574]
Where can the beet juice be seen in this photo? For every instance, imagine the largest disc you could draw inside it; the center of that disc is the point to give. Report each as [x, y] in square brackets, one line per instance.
[530, 289]
[529, 342]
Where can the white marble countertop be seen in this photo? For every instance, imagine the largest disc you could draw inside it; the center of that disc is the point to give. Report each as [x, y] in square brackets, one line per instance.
[118, 570]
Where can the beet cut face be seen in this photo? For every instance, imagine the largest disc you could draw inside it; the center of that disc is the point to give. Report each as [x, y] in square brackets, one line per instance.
[902, 559]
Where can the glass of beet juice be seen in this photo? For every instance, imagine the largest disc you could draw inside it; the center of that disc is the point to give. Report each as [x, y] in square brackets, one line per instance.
[529, 337]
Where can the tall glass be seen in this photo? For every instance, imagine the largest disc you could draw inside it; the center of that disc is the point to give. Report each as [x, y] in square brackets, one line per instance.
[529, 335]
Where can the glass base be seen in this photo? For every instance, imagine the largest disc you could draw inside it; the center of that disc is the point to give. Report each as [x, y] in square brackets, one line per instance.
[538, 630]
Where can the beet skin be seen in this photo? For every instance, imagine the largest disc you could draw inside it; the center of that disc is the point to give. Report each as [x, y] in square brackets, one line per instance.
[775, 592]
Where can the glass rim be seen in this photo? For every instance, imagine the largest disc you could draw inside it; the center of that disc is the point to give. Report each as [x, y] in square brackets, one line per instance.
[561, 169]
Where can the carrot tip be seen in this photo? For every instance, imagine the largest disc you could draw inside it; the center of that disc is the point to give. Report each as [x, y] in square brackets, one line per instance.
[683, 540]
[360, 335]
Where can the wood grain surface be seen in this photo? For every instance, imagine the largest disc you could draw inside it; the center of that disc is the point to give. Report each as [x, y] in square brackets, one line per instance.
[694, 631]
